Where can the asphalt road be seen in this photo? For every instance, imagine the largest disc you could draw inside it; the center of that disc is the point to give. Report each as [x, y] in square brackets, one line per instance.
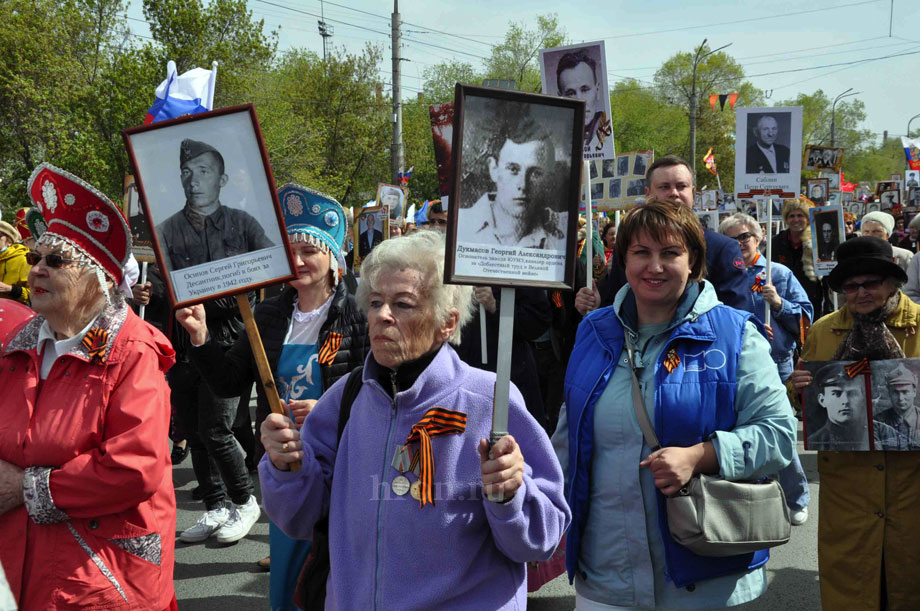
[214, 577]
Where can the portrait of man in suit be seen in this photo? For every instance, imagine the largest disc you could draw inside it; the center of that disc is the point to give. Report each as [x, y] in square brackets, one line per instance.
[370, 237]
[766, 155]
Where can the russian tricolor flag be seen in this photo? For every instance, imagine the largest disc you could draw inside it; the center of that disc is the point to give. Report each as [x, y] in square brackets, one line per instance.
[183, 94]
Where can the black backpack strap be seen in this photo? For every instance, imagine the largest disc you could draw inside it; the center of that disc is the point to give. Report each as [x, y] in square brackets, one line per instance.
[352, 388]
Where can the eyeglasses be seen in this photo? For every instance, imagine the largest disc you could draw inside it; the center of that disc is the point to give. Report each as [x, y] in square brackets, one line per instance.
[54, 259]
[438, 221]
[851, 288]
[744, 237]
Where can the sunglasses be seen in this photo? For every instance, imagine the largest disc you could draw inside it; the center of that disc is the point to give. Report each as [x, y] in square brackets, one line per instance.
[851, 288]
[54, 259]
[744, 237]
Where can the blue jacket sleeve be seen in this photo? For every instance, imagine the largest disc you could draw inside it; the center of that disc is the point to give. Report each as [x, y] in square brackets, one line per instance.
[763, 440]
[795, 302]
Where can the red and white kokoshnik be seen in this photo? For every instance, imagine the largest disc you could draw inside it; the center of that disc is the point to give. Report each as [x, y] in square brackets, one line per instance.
[83, 218]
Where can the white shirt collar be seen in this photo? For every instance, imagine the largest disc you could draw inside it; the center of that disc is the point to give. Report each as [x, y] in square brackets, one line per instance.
[50, 352]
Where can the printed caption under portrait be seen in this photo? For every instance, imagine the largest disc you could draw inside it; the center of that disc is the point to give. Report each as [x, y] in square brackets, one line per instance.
[510, 262]
[230, 273]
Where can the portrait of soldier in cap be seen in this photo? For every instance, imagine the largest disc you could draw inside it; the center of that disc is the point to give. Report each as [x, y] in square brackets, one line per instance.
[898, 427]
[205, 230]
[842, 400]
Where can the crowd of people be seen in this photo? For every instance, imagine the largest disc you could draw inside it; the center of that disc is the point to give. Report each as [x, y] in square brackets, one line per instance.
[380, 473]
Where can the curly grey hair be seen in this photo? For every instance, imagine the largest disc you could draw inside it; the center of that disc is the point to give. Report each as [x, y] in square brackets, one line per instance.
[422, 251]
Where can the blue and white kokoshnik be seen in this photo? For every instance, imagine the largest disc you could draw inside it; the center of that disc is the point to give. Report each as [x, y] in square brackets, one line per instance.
[314, 218]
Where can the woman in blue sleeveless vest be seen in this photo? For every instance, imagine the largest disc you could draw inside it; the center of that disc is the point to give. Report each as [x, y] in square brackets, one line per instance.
[313, 334]
[718, 406]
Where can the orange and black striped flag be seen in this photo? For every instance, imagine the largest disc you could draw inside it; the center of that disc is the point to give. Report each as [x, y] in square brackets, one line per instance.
[857, 368]
[330, 348]
[435, 423]
[672, 360]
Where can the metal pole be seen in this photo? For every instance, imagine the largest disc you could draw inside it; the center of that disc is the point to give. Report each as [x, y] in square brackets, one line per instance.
[834, 110]
[396, 148]
[502, 373]
[911, 121]
[694, 105]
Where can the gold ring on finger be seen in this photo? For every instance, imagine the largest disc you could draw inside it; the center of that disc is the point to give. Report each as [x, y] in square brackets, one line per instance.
[284, 447]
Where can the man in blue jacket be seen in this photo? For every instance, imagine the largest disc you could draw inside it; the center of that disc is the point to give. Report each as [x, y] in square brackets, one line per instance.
[670, 178]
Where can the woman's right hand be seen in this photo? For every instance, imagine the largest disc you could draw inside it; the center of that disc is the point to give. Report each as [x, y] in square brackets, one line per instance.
[800, 378]
[281, 440]
[194, 321]
[587, 300]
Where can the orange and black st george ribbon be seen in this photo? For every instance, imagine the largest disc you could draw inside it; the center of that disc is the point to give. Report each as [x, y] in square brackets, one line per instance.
[436, 422]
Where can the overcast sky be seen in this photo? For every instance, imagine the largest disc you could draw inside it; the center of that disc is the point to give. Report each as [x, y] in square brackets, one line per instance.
[766, 37]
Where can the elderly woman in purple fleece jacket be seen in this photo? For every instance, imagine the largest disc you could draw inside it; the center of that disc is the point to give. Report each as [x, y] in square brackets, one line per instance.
[410, 526]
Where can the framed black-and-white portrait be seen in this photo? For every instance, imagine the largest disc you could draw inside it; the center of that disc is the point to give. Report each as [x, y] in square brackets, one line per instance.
[822, 159]
[856, 208]
[768, 151]
[833, 180]
[913, 197]
[623, 165]
[209, 196]
[579, 72]
[827, 232]
[614, 188]
[889, 199]
[872, 207]
[394, 198]
[895, 409]
[883, 186]
[836, 407]
[640, 164]
[370, 228]
[709, 219]
[609, 168]
[517, 186]
[597, 191]
[818, 189]
[911, 179]
[710, 199]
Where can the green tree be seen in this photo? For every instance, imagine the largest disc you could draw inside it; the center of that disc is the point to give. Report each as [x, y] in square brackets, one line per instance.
[439, 80]
[518, 55]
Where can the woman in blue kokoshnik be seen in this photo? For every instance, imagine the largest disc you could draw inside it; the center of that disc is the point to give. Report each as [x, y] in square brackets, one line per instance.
[410, 525]
[717, 404]
[313, 334]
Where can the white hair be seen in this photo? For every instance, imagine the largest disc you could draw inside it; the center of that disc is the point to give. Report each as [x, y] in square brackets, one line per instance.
[422, 251]
[70, 251]
[745, 220]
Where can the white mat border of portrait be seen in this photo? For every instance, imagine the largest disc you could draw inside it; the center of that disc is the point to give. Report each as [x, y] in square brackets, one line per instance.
[811, 422]
[553, 276]
[549, 59]
[749, 186]
[145, 148]
[823, 268]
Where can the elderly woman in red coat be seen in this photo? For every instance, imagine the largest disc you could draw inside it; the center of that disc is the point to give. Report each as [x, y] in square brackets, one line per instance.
[87, 509]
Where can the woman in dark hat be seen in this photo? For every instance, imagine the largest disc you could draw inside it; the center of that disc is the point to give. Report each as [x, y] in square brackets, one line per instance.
[868, 542]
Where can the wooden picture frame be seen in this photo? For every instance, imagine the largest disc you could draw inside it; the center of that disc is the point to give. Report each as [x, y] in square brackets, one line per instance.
[517, 183]
[360, 249]
[813, 187]
[822, 158]
[190, 158]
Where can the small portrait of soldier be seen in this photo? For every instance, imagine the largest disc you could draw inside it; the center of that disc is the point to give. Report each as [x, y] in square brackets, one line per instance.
[898, 427]
[841, 401]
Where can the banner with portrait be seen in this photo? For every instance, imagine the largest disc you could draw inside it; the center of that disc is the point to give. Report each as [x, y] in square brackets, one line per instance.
[768, 152]
[618, 183]
[517, 165]
[580, 72]
[141, 241]
[209, 196]
[442, 125]
[827, 233]
[862, 405]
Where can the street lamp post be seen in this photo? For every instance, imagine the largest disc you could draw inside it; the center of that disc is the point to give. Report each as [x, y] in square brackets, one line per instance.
[909, 122]
[845, 94]
[693, 101]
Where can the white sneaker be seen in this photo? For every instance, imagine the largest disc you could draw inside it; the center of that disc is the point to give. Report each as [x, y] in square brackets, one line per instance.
[207, 525]
[800, 517]
[241, 519]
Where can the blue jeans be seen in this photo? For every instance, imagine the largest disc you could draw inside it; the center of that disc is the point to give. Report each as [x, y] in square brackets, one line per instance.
[794, 483]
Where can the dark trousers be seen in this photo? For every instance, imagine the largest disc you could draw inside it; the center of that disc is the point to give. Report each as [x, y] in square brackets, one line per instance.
[207, 421]
[552, 378]
[242, 429]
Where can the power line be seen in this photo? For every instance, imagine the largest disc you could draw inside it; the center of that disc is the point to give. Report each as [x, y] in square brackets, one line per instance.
[748, 20]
